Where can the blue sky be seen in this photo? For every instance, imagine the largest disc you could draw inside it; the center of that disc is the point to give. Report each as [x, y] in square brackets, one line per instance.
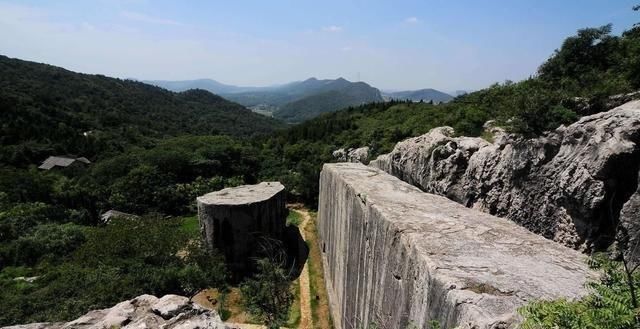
[399, 44]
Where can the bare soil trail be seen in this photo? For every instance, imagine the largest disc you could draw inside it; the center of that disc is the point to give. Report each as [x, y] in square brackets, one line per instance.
[306, 319]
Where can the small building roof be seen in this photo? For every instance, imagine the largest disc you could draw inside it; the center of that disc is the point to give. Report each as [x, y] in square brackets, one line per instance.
[60, 161]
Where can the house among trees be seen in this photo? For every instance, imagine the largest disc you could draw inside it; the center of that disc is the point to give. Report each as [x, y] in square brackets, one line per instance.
[63, 162]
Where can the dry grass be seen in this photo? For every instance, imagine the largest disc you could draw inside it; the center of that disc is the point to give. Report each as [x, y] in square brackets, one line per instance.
[319, 299]
[210, 299]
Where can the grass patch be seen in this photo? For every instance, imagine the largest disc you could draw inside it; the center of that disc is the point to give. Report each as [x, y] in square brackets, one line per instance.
[294, 310]
[488, 136]
[190, 224]
[319, 300]
[294, 218]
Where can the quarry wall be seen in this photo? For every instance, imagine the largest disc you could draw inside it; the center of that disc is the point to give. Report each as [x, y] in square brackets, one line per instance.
[397, 257]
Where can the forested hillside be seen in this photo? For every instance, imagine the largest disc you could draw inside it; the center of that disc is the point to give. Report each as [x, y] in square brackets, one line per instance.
[329, 101]
[153, 151]
[425, 95]
[49, 110]
[298, 101]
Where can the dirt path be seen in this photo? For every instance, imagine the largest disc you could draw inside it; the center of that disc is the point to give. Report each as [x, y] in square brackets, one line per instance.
[306, 319]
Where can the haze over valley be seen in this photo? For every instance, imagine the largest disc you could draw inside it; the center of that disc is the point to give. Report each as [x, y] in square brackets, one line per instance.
[297, 101]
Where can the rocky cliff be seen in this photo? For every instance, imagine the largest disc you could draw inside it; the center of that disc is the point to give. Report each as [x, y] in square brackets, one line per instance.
[146, 311]
[397, 257]
[569, 185]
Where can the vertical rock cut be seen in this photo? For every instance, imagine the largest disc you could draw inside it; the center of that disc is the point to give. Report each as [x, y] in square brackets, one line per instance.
[397, 257]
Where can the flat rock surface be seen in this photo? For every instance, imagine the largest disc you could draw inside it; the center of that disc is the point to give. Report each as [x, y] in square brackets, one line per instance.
[245, 194]
[396, 256]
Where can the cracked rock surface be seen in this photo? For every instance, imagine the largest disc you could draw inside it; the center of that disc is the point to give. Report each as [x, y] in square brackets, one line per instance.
[146, 311]
[395, 256]
[569, 185]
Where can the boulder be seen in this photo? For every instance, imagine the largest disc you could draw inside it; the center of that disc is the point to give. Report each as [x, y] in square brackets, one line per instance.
[170, 305]
[568, 185]
[146, 311]
[396, 257]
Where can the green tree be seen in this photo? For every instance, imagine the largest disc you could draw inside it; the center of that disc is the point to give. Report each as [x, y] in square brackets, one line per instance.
[267, 295]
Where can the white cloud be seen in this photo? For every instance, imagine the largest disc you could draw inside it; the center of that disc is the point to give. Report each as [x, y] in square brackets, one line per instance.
[332, 28]
[148, 19]
[412, 20]
[347, 48]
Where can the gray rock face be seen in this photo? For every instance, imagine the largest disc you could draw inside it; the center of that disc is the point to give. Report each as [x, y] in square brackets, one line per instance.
[144, 311]
[395, 256]
[630, 226]
[234, 219]
[360, 154]
[568, 185]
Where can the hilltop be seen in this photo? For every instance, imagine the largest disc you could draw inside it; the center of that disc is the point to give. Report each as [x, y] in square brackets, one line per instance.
[47, 108]
[419, 95]
[292, 102]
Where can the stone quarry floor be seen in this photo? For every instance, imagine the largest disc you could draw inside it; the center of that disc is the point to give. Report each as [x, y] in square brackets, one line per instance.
[312, 297]
[306, 320]
[318, 299]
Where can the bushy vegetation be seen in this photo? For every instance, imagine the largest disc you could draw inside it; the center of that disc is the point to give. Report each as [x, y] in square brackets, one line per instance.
[88, 268]
[611, 304]
[46, 109]
[267, 295]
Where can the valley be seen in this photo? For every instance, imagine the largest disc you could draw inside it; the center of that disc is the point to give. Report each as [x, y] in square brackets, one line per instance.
[299, 101]
[324, 203]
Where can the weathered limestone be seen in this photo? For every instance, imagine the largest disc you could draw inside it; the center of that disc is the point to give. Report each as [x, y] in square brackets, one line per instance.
[360, 154]
[146, 311]
[396, 256]
[234, 219]
[629, 231]
[568, 185]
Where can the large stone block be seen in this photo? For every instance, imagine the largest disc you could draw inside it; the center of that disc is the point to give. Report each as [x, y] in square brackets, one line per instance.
[397, 257]
[235, 219]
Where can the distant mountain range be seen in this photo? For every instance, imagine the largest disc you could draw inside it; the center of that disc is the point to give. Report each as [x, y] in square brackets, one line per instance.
[206, 84]
[302, 100]
[419, 95]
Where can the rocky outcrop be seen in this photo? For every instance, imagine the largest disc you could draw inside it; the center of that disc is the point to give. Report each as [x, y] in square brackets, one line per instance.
[234, 220]
[568, 185]
[586, 106]
[360, 154]
[395, 256]
[146, 311]
[629, 232]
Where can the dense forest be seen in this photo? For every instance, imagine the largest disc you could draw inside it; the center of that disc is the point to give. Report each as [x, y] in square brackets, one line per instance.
[153, 151]
[49, 110]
